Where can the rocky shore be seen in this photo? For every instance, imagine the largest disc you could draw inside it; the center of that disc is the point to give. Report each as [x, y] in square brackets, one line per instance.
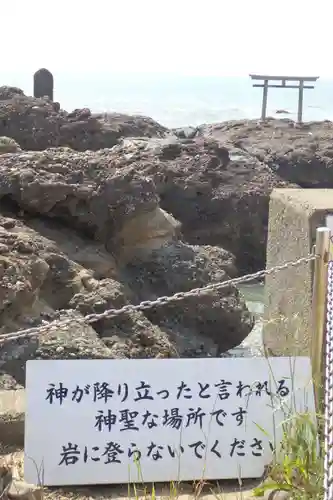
[100, 211]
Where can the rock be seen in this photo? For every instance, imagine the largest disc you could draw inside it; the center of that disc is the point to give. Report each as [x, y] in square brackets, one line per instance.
[186, 132]
[20, 490]
[143, 233]
[8, 382]
[43, 298]
[72, 341]
[11, 485]
[220, 194]
[9, 92]
[8, 145]
[53, 276]
[6, 476]
[21, 276]
[301, 154]
[84, 189]
[133, 125]
[298, 155]
[85, 252]
[12, 412]
[176, 267]
[214, 179]
[38, 123]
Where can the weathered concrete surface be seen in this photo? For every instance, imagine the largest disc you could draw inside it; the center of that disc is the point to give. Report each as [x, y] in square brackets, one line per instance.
[12, 410]
[294, 215]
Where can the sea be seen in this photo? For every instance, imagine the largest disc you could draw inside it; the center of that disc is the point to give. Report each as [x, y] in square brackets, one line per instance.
[178, 101]
[254, 298]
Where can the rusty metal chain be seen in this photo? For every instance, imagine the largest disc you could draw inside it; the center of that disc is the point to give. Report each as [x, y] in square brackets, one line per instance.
[149, 304]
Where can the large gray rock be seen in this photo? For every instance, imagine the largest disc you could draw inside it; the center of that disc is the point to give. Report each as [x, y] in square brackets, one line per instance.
[82, 189]
[219, 194]
[74, 341]
[40, 284]
[301, 154]
[49, 273]
[37, 123]
[220, 315]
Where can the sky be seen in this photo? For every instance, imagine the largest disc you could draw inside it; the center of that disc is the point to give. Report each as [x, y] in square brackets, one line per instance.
[206, 37]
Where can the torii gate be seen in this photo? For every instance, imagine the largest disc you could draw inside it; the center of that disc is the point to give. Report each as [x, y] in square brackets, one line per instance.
[300, 86]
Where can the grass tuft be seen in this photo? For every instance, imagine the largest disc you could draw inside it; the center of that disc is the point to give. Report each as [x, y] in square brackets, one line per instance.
[298, 466]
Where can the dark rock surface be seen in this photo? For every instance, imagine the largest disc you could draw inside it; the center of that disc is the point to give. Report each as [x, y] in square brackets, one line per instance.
[215, 179]
[82, 189]
[178, 267]
[220, 194]
[37, 124]
[145, 213]
[80, 233]
[302, 154]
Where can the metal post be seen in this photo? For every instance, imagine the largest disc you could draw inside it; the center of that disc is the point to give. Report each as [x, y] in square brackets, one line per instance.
[328, 427]
[319, 292]
[300, 101]
[264, 100]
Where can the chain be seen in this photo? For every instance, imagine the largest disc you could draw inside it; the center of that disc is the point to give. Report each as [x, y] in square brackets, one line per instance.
[147, 304]
[328, 463]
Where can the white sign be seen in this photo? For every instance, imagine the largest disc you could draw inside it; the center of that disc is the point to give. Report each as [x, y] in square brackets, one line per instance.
[121, 421]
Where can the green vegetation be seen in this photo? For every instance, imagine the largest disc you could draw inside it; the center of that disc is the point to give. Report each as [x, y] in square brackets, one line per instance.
[298, 467]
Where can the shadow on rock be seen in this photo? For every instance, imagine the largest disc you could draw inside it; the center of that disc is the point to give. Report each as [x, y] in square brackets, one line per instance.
[195, 322]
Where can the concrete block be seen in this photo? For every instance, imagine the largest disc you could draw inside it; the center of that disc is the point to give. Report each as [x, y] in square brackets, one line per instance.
[294, 215]
[12, 411]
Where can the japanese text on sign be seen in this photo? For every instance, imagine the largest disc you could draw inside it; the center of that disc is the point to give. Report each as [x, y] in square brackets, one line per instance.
[155, 416]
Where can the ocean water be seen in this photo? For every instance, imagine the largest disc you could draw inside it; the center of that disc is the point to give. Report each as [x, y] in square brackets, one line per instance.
[177, 101]
[253, 344]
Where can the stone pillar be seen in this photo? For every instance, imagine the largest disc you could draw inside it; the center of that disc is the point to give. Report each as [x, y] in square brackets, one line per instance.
[294, 215]
[43, 84]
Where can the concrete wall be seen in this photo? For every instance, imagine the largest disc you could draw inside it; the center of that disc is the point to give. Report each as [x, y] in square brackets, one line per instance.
[294, 215]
